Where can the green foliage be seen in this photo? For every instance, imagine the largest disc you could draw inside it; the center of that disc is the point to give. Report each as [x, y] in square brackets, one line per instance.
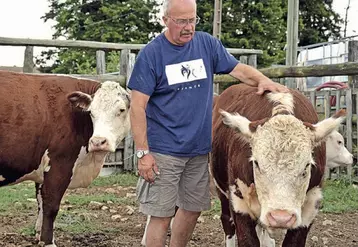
[339, 196]
[130, 21]
[262, 25]
[318, 22]
[246, 24]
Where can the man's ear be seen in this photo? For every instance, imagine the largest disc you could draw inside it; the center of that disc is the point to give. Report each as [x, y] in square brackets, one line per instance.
[165, 20]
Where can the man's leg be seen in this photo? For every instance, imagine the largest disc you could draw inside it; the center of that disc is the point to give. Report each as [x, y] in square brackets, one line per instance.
[157, 231]
[194, 197]
[183, 227]
[158, 199]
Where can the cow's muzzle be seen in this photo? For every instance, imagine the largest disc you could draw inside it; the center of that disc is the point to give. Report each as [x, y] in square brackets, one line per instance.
[98, 144]
[281, 219]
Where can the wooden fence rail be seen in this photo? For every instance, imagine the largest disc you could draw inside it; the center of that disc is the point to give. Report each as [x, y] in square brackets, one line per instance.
[123, 157]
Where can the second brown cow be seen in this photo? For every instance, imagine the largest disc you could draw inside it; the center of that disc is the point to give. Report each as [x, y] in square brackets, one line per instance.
[268, 161]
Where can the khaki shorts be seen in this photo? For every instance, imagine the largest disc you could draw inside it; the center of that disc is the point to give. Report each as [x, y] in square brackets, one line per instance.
[182, 182]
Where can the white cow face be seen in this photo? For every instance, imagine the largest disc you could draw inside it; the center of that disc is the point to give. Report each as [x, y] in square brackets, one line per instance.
[336, 153]
[282, 158]
[109, 111]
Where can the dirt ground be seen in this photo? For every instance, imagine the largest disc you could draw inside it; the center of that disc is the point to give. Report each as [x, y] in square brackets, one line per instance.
[339, 230]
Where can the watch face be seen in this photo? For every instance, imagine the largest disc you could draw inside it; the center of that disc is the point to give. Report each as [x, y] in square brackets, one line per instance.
[139, 154]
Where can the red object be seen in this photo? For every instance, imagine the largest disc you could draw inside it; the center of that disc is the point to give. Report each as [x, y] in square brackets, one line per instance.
[333, 84]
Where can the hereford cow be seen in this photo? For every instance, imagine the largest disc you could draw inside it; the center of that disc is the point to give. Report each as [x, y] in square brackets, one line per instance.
[336, 153]
[66, 125]
[268, 162]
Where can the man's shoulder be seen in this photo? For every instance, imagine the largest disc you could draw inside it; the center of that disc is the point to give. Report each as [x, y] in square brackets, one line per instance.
[203, 35]
[156, 42]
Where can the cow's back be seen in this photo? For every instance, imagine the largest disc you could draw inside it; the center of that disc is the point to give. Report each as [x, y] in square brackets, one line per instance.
[35, 115]
[229, 149]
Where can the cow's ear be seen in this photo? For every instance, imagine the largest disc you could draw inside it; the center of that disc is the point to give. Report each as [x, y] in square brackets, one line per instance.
[79, 100]
[325, 127]
[237, 122]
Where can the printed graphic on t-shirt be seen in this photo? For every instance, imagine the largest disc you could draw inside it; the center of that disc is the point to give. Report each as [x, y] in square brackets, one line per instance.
[185, 71]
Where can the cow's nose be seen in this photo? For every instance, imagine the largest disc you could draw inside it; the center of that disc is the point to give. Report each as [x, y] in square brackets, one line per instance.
[98, 142]
[281, 218]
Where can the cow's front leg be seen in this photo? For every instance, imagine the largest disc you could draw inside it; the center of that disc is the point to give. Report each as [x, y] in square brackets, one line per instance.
[296, 237]
[38, 225]
[227, 221]
[55, 184]
[245, 231]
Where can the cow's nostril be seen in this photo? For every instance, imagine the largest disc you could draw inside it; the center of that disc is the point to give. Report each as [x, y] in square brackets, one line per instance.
[281, 218]
[98, 142]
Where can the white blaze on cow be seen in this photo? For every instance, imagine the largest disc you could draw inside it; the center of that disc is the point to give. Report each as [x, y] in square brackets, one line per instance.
[282, 159]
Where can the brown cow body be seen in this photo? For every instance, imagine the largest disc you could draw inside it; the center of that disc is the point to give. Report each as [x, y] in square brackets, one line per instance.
[234, 174]
[45, 128]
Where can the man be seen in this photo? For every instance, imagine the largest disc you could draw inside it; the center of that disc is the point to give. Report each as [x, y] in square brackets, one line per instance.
[171, 111]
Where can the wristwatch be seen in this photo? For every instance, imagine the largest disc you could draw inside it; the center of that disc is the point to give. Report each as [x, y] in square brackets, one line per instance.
[140, 153]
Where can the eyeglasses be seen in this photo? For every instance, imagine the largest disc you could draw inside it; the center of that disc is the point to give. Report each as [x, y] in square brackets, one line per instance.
[184, 22]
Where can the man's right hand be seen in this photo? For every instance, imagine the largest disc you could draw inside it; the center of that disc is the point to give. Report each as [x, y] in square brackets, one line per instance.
[148, 168]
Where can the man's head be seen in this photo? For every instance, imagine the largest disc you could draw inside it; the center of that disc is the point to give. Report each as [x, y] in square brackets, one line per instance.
[180, 18]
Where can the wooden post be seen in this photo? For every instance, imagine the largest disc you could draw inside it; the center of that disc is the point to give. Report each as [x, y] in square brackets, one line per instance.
[100, 62]
[327, 104]
[129, 147]
[126, 67]
[243, 59]
[252, 61]
[217, 18]
[313, 98]
[28, 60]
[123, 62]
[292, 37]
[353, 57]
[349, 104]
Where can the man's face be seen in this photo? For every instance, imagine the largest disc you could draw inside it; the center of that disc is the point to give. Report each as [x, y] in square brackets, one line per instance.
[181, 20]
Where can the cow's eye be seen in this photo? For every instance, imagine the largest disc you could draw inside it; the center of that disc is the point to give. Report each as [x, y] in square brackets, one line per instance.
[256, 165]
[340, 142]
[120, 112]
[304, 173]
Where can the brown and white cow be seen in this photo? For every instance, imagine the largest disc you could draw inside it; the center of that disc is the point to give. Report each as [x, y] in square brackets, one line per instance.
[57, 131]
[268, 161]
[337, 155]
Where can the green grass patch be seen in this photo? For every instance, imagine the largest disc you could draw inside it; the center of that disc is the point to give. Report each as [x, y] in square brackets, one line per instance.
[121, 179]
[339, 196]
[16, 197]
[215, 208]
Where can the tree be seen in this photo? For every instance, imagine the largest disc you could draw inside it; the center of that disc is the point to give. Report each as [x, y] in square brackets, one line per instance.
[318, 22]
[129, 21]
[262, 24]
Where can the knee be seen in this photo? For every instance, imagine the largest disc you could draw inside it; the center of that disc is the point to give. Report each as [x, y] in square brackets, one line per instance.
[162, 222]
[190, 214]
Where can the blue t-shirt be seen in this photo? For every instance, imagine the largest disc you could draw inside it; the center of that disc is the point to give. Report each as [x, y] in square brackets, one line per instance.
[179, 81]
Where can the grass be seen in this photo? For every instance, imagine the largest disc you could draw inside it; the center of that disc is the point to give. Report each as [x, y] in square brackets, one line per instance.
[339, 197]
[17, 197]
[121, 179]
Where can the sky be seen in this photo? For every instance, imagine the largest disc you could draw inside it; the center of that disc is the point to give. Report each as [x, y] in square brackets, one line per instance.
[21, 19]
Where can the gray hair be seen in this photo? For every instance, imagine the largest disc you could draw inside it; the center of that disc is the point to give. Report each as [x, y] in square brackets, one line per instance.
[166, 5]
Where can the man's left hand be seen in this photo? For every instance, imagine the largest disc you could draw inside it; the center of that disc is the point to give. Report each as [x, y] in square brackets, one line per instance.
[268, 85]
